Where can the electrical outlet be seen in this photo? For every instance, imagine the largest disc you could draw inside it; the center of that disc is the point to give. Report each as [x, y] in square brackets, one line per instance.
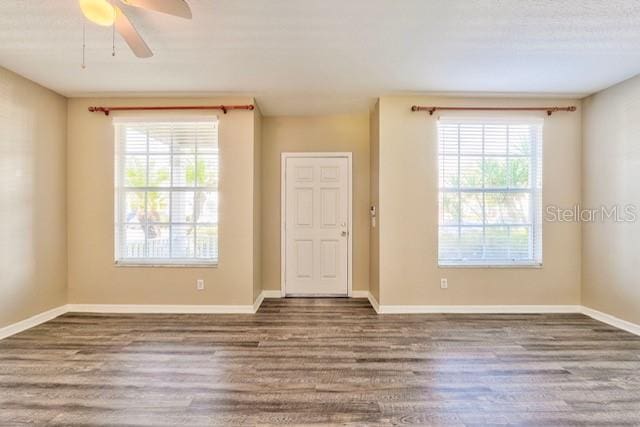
[200, 284]
[444, 284]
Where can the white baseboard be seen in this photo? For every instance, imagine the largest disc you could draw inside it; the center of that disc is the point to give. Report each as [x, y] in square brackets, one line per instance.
[160, 308]
[36, 320]
[506, 309]
[258, 302]
[374, 302]
[272, 294]
[359, 294]
[611, 320]
[249, 309]
[486, 309]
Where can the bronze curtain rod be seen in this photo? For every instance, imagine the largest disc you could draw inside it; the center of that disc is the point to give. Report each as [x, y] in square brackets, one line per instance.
[224, 108]
[549, 110]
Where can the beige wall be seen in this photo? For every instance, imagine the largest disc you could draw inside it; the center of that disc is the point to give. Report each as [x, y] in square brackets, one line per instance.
[324, 133]
[93, 277]
[408, 208]
[374, 236]
[611, 176]
[257, 203]
[57, 215]
[33, 210]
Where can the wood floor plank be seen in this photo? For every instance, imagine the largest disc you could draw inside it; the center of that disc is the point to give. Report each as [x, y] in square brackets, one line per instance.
[320, 361]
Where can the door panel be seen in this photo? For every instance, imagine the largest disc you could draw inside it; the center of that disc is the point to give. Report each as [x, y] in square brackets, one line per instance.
[329, 250]
[330, 198]
[304, 206]
[329, 174]
[304, 258]
[316, 225]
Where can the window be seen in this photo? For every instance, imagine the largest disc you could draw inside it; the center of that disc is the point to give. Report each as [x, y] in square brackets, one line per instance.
[490, 192]
[166, 191]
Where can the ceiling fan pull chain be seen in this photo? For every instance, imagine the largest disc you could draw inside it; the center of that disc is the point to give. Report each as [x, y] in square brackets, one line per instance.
[113, 35]
[84, 44]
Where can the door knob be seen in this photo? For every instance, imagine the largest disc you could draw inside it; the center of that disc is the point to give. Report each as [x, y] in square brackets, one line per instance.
[344, 233]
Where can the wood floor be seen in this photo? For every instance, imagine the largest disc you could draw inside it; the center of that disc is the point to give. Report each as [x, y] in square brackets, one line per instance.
[329, 361]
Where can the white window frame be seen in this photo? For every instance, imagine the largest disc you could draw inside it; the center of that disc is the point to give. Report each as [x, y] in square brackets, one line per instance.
[121, 190]
[535, 191]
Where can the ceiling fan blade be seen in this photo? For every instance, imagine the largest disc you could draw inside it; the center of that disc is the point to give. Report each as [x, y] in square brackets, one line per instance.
[125, 28]
[171, 7]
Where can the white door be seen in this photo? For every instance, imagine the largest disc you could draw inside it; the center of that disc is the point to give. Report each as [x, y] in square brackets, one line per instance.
[316, 225]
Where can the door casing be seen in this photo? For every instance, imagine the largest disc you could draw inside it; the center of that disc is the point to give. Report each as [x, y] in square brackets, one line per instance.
[283, 215]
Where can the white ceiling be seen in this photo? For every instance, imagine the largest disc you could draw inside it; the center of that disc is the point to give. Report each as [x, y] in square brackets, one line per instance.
[324, 56]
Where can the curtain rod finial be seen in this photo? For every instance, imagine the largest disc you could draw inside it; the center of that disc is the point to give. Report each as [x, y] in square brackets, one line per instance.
[99, 110]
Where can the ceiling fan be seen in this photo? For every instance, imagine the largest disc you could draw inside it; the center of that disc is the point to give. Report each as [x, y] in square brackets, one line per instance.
[108, 13]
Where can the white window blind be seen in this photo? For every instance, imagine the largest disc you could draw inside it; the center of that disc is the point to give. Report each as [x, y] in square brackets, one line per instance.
[167, 176]
[490, 192]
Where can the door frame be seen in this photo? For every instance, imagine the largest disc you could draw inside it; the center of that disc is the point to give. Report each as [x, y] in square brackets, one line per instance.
[283, 213]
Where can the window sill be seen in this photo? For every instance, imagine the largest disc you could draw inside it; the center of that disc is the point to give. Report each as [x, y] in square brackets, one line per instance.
[134, 264]
[493, 266]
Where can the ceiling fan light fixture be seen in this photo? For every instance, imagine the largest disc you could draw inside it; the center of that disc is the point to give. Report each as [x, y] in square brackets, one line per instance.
[99, 12]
